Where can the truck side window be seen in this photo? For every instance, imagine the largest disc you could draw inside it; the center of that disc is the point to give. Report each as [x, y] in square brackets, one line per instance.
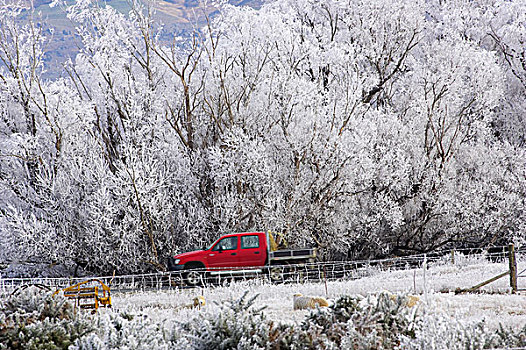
[228, 243]
[249, 242]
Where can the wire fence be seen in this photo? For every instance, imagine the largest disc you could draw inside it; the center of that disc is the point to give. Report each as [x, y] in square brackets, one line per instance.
[285, 273]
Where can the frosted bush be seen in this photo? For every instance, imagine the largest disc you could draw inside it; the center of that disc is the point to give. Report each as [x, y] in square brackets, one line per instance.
[238, 325]
[34, 319]
[124, 331]
[35, 300]
[439, 331]
[356, 322]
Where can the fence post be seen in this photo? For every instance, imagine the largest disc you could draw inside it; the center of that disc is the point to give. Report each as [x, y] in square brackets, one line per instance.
[424, 265]
[453, 256]
[513, 268]
[325, 279]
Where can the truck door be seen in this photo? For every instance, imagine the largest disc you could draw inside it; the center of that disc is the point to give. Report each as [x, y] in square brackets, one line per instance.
[224, 253]
[252, 250]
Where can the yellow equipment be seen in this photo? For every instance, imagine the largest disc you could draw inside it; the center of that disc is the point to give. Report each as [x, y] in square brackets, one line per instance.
[94, 291]
[277, 241]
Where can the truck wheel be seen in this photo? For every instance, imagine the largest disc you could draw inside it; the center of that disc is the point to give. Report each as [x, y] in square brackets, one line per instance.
[193, 278]
[194, 273]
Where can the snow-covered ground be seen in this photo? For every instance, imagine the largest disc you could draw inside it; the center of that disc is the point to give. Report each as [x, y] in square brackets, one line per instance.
[496, 305]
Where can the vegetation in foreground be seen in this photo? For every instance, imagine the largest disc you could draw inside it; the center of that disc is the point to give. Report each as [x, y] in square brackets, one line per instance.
[33, 319]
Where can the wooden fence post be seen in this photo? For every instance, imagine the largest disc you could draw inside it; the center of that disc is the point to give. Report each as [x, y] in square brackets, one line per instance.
[453, 256]
[325, 279]
[513, 268]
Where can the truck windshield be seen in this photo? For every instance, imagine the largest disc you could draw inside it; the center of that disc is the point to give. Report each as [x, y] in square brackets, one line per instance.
[211, 245]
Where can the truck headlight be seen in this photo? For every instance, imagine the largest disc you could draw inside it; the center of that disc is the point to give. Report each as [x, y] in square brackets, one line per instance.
[176, 261]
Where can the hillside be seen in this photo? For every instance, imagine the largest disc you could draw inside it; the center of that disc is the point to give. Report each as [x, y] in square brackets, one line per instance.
[177, 17]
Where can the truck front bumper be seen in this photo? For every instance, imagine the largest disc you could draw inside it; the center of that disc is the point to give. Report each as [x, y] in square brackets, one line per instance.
[174, 267]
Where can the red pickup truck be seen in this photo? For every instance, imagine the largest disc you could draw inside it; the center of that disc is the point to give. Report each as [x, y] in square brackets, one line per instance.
[239, 253]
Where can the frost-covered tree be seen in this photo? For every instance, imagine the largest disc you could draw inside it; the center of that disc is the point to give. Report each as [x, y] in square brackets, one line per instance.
[363, 128]
[373, 117]
[30, 126]
[119, 195]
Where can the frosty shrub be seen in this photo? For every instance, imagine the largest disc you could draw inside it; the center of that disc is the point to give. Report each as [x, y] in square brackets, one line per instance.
[383, 321]
[440, 331]
[33, 319]
[235, 324]
[355, 322]
[239, 325]
[125, 331]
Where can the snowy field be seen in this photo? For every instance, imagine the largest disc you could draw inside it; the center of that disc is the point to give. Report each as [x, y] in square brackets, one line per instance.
[494, 304]
[367, 314]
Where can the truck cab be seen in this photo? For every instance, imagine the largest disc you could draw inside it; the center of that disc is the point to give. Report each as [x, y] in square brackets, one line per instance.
[237, 250]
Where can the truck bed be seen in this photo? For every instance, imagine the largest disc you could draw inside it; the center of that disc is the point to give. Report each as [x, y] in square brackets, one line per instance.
[288, 254]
